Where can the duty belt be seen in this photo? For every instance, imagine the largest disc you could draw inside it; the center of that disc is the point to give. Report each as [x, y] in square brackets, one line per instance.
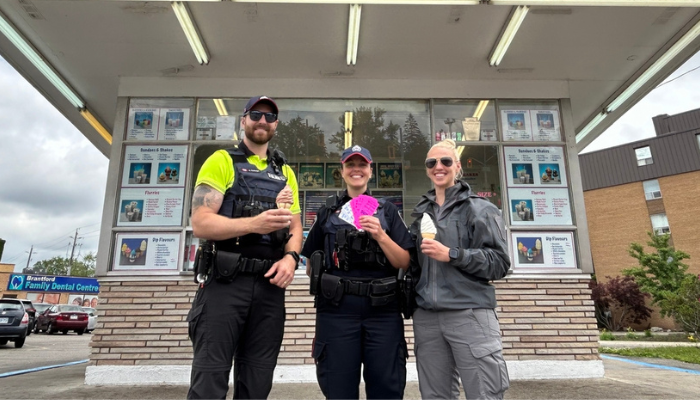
[254, 265]
[374, 288]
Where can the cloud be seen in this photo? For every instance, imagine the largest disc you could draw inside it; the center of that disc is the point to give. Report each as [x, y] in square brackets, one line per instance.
[52, 181]
[678, 96]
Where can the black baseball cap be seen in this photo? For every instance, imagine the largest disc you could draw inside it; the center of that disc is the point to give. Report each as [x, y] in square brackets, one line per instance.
[356, 150]
[258, 99]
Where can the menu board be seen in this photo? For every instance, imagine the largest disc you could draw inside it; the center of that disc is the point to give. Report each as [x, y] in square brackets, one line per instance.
[160, 166]
[143, 124]
[158, 124]
[146, 251]
[531, 125]
[150, 207]
[545, 125]
[392, 196]
[539, 206]
[174, 124]
[543, 250]
[535, 166]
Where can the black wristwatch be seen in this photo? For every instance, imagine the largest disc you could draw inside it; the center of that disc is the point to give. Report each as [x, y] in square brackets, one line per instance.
[454, 253]
[294, 255]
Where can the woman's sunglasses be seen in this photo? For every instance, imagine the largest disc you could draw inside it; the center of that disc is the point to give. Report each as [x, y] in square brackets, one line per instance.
[431, 162]
[256, 115]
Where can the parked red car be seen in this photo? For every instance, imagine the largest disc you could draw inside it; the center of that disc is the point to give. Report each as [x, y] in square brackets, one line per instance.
[64, 318]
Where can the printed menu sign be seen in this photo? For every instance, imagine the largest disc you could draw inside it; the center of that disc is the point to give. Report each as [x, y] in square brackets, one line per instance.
[143, 124]
[146, 251]
[545, 125]
[174, 124]
[150, 207]
[516, 125]
[543, 250]
[535, 166]
[160, 166]
[539, 206]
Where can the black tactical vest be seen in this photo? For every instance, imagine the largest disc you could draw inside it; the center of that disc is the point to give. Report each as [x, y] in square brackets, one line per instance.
[348, 249]
[253, 192]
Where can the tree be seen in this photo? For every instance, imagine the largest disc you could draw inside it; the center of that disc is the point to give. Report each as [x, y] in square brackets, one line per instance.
[660, 272]
[53, 266]
[619, 302]
[59, 266]
[368, 131]
[297, 139]
[684, 305]
[415, 143]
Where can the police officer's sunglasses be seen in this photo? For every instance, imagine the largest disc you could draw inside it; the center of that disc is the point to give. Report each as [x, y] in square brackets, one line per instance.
[256, 115]
[431, 162]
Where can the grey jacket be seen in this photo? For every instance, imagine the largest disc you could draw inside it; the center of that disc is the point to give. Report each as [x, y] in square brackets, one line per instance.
[473, 225]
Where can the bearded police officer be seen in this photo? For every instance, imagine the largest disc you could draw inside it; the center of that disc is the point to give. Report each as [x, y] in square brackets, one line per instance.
[357, 321]
[238, 312]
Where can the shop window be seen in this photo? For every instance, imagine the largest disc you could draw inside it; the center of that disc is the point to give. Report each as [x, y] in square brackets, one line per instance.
[643, 156]
[652, 190]
[480, 166]
[659, 223]
[464, 121]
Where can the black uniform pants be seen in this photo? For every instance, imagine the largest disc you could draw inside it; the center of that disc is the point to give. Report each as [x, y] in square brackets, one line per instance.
[353, 334]
[241, 320]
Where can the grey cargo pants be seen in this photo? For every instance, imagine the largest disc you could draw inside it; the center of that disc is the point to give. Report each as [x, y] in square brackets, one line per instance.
[461, 343]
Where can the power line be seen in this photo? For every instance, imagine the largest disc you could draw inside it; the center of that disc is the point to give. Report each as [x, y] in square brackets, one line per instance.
[678, 77]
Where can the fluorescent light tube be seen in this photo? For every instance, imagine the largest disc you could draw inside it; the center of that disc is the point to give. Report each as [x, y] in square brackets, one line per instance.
[590, 126]
[395, 2]
[654, 69]
[183, 15]
[599, 3]
[353, 33]
[97, 125]
[480, 109]
[348, 129]
[39, 62]
[516, 19]
[220, 106]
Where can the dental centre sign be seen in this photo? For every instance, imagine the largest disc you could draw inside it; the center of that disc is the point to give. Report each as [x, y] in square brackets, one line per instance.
[49, 283]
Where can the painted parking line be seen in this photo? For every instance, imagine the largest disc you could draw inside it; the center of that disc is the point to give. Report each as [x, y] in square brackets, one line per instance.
[690, 371]
[26, 371]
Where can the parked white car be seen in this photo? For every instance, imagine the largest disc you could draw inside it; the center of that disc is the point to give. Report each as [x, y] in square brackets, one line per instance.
[92, 318]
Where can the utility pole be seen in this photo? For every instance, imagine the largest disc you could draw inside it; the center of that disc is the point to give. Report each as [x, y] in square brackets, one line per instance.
[72, 251]
[31, 250]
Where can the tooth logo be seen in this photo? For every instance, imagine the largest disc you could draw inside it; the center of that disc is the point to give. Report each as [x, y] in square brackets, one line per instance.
[16, 282]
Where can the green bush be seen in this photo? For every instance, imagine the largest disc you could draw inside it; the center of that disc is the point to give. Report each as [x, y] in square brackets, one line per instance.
[647, 333]
[606, 335]
[684, 305]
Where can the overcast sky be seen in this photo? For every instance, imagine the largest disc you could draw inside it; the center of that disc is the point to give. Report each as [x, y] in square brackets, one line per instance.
[52, 180]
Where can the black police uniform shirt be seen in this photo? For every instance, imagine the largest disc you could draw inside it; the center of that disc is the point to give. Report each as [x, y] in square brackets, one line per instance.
[396, 229]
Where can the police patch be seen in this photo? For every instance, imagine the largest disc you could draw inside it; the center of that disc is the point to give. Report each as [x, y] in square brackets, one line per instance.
[276, 177]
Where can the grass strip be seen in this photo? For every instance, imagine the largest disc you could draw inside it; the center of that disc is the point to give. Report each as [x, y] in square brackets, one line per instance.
[685, 354]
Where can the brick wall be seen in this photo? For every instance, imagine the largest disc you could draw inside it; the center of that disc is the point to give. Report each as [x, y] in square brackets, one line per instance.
[619, 215]
[143, 322]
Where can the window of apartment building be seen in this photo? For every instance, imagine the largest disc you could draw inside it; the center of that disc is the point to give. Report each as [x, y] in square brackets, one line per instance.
[659, 223]
[643, 156]
[651, 189]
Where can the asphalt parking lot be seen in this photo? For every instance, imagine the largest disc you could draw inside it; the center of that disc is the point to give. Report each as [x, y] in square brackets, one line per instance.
[42, 349]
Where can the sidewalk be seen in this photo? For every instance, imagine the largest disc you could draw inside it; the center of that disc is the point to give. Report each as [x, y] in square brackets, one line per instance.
[623, 380]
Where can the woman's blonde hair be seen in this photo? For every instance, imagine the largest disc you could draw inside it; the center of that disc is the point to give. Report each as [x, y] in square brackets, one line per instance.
[451, 145]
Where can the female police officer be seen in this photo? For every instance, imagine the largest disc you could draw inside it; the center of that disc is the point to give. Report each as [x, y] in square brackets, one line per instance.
[357, 319]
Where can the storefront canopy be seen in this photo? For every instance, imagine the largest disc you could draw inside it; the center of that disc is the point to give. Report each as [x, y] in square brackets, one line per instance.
[590, 54]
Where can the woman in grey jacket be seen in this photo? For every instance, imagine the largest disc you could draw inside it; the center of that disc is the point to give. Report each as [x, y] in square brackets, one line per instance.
[456, 329]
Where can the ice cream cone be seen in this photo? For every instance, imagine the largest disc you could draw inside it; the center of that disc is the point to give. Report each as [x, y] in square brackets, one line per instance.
[428, 235]
[285, 206]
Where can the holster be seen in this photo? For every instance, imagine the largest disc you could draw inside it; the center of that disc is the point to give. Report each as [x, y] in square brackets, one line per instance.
[332, 288]
[382, 291]
[407, 294]
[226, 266]
[316, 267]
[203, 262]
